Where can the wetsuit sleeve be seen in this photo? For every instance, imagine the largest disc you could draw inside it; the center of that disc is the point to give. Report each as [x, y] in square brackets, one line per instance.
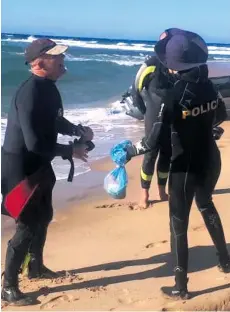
[35, 130]
[151, 141]
[65, 127]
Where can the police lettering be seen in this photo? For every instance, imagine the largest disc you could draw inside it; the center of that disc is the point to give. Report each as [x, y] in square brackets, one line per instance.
[199, 110]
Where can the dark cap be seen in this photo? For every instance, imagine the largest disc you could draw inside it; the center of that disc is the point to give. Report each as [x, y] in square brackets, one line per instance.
[43, 46]
[182, 51]
[169, 32]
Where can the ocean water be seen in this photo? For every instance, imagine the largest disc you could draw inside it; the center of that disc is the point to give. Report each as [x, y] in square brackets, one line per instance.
[99, 72]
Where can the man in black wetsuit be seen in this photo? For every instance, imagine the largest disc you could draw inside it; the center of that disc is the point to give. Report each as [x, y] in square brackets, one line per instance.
[34, 121]
[192, 108]
[160, 81]
[151, 82]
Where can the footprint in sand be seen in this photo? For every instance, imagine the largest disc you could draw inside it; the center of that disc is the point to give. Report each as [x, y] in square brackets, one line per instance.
[135, 206]
[129, 205]
[156, 244]
[3, 305]
[139, 206]
[97, 288]
[198, 228]
[125, 300]
[66, 277]
[114, 205]
[51, 303]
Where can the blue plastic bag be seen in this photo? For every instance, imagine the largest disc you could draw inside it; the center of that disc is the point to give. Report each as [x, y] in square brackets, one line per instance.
[118, 154]
[116, 181]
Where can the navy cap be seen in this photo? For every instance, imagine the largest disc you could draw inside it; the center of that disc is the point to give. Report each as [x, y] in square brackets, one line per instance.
[182, 51]
[169, 32]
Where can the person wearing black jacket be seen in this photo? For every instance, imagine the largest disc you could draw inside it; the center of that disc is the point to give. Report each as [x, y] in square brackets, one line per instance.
[34, 121]
[191, 109]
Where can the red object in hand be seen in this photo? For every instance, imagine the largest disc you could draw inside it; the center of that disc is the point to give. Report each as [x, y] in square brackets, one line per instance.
[18, 197]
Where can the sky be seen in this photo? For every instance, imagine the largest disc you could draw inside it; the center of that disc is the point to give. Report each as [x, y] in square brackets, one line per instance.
[120, 19]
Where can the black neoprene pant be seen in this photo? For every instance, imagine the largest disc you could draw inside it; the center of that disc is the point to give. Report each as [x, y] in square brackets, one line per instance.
[183, 187]
[162, 151]
[31, 230]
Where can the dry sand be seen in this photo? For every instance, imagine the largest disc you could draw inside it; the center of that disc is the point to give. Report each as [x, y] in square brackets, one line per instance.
[112, 256]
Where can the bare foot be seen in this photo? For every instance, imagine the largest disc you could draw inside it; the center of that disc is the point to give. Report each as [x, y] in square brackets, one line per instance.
[163, 195]
[144, 202]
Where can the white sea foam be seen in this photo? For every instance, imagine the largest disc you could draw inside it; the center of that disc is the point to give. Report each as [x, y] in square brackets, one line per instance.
[123, 60]
[94, 44]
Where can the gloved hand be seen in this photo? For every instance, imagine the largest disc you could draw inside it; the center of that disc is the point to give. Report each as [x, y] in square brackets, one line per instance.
[131, 151]
[217, 132]
[136, 149]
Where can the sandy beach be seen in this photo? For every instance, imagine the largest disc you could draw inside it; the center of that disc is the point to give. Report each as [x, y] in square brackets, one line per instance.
[112, 256]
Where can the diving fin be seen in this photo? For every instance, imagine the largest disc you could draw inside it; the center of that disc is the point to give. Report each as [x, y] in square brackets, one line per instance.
[18, 197]
[16, 200]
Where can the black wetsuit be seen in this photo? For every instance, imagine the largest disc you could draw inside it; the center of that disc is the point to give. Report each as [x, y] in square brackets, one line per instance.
[152, 82]
[34, 121]
[192, 108]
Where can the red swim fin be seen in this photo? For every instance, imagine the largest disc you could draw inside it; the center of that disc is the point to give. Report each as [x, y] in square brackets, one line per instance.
[18, 197]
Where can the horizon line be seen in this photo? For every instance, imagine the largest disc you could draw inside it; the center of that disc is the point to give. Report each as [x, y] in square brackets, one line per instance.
[83, 37]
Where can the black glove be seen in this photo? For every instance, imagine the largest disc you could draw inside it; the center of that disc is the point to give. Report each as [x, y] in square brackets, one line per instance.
[133, 150]
[217, 132]
[130, 152]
